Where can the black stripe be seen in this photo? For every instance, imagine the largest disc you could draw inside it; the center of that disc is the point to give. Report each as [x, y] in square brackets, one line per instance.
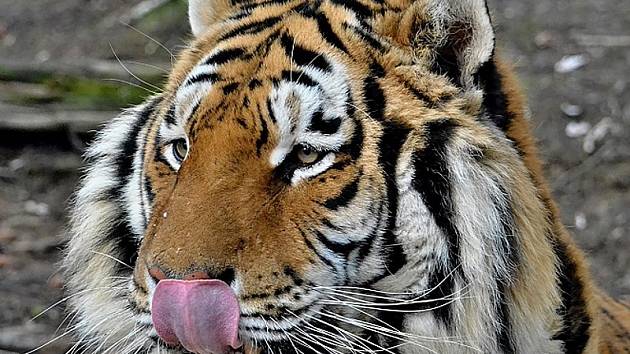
[194, 110]
[224, 56]
[128, 148]
[345, 196]
[121, 233]
[342, 249]
[251, 28]
[509, 250]
[158, 156]
[170, 116]
[302, 56]
[366, 244]
[373, 94]
[355, 146]
[264, 46]
[203, 77]
[446, 63]
[306, 346]
[264, 135]
[240, 15]
[229, 88]
[339, 165]
[272, 116]
[326, 31]
[321, 257]
[254, 4]
[330, 225]
[254, 84]
[390, 145]
[576, 321]
[324, 126]
[368, 37]
[298, 77]
[432, 181]
[291, 273]
[494, 99]
[503, 334]
[242, 122]
[358, 8]
[148, 188]
[443, 285]
[143, 181]
[421, 96]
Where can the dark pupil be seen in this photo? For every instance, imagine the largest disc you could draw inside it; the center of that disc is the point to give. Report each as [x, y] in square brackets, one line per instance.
[180, 149]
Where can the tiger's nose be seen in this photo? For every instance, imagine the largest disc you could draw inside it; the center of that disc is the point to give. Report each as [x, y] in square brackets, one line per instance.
[226, 276]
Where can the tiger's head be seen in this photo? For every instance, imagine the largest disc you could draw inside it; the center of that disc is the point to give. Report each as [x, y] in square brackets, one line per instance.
[318, 177]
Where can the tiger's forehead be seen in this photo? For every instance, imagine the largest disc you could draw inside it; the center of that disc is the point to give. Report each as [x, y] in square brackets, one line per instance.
[273, 43]
[283, 75]
[283, 89]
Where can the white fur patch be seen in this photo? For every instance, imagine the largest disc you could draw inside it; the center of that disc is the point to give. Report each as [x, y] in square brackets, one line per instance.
[91, 261]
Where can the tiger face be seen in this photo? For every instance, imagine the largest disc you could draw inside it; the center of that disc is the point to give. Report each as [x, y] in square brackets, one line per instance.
[317, 177]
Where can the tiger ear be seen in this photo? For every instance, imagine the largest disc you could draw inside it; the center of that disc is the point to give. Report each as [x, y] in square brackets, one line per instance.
[455, 35]
[203, 13]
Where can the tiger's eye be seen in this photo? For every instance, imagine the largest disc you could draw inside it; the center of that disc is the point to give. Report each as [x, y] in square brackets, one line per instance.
[180, 149]
[307, 156]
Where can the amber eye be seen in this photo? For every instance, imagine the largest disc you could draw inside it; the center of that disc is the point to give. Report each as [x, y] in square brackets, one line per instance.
[307, 156]
[180, 149]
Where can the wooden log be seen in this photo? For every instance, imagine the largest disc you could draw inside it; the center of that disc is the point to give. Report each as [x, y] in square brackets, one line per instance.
[20, 119]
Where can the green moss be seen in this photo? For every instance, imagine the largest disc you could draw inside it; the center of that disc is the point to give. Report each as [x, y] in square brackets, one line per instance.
[78, 92]
[31, 76]
[95, 94]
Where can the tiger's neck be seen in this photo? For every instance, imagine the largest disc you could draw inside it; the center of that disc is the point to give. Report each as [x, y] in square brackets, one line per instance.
[497, 272]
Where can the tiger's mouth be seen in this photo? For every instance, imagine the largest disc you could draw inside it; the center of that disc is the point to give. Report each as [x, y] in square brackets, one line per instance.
[200, 315]
[205, 317]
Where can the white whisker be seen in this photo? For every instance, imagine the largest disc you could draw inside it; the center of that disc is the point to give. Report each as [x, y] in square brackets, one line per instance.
[355, 323]
[64, 299]
[153, 40]
[131, 73]
[132, 84]
[165, 71]
[112, 258]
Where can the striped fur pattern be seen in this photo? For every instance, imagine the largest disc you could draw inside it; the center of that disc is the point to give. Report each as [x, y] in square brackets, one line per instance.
[418, 223]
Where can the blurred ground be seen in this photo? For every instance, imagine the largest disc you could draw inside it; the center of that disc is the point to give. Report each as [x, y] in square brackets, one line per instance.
[572, 55]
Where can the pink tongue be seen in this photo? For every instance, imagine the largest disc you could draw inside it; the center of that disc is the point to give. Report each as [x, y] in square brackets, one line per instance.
[201, 315]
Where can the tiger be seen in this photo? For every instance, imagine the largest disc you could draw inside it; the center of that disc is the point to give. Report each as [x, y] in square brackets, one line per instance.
[329, 176]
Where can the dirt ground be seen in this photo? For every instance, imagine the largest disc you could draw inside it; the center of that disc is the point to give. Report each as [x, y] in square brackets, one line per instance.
[572, 55]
